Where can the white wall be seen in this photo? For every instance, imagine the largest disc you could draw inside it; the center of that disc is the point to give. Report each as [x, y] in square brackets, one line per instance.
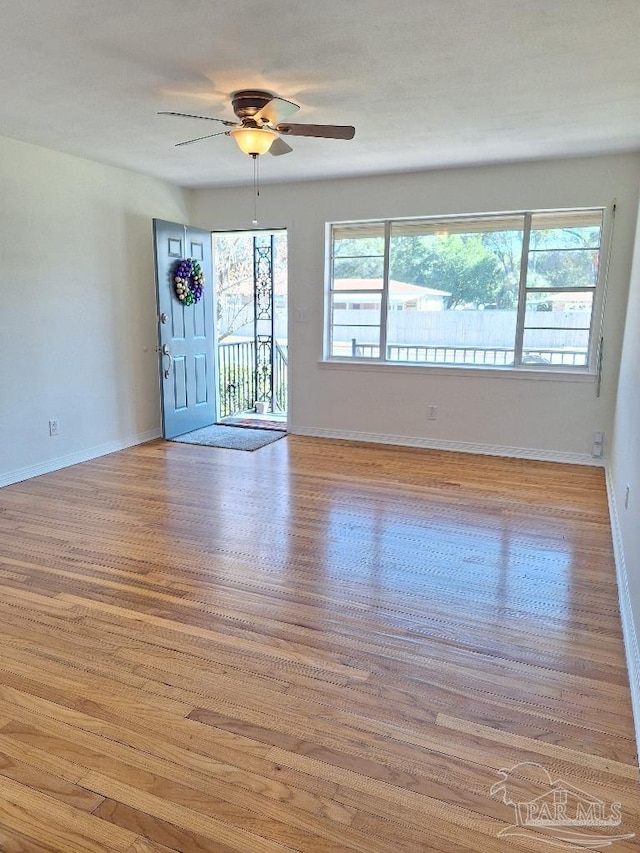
[78, 320]
[539, 418]
[625, 471]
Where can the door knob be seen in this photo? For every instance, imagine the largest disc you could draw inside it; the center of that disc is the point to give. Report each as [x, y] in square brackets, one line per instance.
[165, 351]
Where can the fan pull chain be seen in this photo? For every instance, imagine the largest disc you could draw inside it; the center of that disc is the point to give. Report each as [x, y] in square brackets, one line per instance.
[256, 188]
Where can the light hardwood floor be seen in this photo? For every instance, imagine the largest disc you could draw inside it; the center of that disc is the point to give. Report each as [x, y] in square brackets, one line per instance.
[319, 646]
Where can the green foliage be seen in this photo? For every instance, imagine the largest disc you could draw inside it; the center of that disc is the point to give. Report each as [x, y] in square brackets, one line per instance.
[237, 387]
[506, 247]
[463, 267]
[458, 264]
[361, 257]
[411, 260]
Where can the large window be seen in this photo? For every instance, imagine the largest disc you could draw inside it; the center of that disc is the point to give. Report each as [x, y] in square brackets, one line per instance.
[510, 290]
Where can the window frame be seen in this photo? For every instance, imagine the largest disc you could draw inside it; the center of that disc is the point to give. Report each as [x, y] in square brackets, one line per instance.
[588, 370]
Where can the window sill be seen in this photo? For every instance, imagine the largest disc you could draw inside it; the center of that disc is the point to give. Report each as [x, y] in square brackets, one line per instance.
[550, 374]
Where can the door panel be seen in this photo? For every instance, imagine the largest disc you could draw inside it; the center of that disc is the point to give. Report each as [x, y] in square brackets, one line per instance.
[186, 337]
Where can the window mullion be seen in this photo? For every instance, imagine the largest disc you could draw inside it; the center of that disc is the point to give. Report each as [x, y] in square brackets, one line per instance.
[554, 290]
[384, 307]
[522, 291]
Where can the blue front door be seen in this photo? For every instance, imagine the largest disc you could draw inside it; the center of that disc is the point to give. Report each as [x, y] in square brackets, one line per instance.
[185, 333]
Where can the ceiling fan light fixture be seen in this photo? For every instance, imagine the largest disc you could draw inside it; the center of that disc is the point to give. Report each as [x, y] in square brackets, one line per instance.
[253, 140]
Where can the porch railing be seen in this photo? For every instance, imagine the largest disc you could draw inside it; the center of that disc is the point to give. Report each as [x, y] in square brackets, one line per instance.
[490, 356]
[280, 395]
[237, 379]
[236, 362]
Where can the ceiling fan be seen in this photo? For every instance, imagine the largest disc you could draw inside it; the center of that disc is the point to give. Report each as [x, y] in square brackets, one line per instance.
[262, 124]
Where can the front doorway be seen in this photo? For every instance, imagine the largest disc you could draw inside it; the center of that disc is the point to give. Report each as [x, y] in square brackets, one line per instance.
[252, 328]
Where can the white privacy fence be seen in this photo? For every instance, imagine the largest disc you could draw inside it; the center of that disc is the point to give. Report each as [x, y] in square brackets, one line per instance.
[485, 329]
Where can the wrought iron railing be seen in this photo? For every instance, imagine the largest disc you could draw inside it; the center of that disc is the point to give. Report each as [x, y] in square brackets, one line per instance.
[237, 363]
[490, 356]
[280, 394]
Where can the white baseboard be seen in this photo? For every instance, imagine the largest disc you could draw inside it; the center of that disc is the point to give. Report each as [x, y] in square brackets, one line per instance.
[58, 462]
[457, 446]
[631, 648]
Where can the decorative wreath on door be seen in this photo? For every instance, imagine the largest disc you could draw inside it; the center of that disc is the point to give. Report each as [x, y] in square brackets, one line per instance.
[188, 281]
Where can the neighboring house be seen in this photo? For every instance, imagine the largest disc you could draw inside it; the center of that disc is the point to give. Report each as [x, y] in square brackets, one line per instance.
[360, 294]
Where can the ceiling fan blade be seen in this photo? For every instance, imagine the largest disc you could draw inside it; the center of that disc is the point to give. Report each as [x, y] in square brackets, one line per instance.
[198, 138]
[327, 131]
[278, 147]
[206, 118]
[276, 110]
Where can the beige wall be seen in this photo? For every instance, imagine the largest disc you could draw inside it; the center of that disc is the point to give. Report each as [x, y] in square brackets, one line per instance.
[78, 321]
[550, 419]
[625, 471]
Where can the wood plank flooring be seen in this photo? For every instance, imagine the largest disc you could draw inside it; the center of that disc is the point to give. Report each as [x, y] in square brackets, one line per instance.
[319, 647]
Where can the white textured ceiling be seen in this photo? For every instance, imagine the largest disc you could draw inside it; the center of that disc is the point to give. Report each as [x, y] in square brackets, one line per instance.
[427, 83]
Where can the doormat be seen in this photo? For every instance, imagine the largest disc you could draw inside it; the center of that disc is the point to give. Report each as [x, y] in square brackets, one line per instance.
[230, 438]
[256, 423]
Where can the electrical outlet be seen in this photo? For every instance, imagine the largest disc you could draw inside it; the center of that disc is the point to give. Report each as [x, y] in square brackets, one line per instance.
[53, 427]
[432, 413]
[627, 494]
